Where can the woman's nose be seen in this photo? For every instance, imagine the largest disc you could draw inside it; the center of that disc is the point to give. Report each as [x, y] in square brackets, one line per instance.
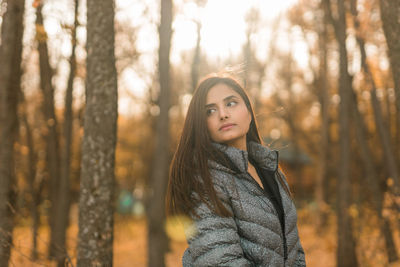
[223, 114]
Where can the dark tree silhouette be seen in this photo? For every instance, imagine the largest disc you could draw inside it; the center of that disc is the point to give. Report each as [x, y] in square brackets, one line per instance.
[346, 253]
[10, 77]
[390, 15]
[157, 240]
[51, 136]
[63, 201]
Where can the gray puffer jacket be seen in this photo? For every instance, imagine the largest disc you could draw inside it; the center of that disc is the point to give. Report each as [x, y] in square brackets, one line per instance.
[253, 236]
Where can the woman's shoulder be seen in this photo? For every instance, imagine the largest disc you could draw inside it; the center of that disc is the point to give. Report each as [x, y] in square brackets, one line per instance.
[218, 175]
[224, 181]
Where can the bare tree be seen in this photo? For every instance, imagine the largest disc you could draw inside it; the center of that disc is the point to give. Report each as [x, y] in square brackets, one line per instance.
[390, 15]
[36, 184]
[10, 77]
[263, 69]
[95, 242]
[157, 239]
[323, 97]
[346, 254]
[52, 145]
[372, 179]
[194, 73]
[195, 66]
[287, 73]
[254, 69]
[63, 201]
[384, 135]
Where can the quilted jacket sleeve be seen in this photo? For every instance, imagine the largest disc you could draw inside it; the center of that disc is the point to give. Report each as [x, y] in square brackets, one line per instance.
[301, 260]
[216, 241]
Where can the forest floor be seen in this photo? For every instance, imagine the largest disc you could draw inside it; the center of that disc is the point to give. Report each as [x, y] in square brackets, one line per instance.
[130, 244]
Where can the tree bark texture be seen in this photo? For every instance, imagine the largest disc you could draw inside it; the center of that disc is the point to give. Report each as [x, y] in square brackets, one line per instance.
[51, 136]
[346, 252]
[63, 203]
[157, 239]
[10, 77]
[95, 241]
[390, 15]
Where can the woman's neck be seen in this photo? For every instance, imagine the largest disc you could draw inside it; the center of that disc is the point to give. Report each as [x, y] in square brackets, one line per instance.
[239, 144]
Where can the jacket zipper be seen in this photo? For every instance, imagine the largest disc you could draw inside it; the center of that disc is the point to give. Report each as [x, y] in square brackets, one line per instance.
[283, 235]
[282, 228]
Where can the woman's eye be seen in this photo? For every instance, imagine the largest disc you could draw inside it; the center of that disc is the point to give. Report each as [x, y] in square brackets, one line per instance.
[231, 103]
[210, 111]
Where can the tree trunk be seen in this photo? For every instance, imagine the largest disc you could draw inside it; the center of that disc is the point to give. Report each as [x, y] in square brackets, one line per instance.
[63, 202]
[95, 243]
[323, 96]
[384, 135]
[10, 77]
[52, 146]
[264, 68]
[388, 112]
[346, 252]
[291, 122]
[372, 179]
[30, 177]
[391, 250]
[248, 60]
[253, 67]
[157, 239]
[32, 158]
[196, 59]
[390, 15]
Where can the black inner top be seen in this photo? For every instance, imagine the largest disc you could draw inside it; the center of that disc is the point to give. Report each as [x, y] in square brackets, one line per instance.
[271, 189]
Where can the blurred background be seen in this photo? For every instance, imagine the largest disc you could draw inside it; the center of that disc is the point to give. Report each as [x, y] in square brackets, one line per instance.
[324, 78]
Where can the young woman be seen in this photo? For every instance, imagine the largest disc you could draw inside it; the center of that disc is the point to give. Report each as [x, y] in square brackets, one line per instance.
[231, 185]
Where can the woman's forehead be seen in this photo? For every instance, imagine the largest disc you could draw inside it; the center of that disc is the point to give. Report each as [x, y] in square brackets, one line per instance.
[219, 92]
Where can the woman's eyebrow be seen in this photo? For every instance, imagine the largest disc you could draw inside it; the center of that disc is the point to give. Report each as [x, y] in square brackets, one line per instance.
[210, 105]
[225, 100]
[229, 98]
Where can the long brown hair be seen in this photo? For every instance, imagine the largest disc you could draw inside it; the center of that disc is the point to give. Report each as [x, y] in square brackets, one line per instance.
[195, 149]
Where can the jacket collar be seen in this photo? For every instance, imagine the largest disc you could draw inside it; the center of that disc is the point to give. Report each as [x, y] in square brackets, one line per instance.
[262, 155]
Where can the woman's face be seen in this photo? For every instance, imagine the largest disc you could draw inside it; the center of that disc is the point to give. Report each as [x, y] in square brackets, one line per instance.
[228, 119]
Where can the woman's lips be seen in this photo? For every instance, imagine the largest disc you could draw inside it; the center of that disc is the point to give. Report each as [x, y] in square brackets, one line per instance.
[226, 127]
